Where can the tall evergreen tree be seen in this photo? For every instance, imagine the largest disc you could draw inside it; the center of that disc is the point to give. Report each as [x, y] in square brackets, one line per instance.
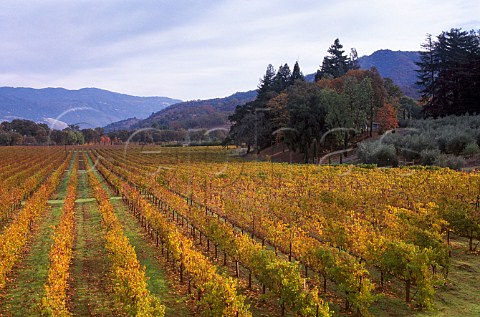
[296, 74]
[266, 84]
[282, 78]
[428, 71]
[336, 64]
[449, 73]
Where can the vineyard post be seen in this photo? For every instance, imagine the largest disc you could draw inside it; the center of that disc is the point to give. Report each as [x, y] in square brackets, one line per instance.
[407, 290]
[470, 242]
[181, 272]
[324, 283]
[381, 278]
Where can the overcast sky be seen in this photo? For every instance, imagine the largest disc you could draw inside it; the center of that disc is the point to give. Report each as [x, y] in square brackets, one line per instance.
[202, 49]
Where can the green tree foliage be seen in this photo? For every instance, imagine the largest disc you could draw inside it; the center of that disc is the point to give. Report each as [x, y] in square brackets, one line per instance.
[26, 132]
[336, 64]
[296, 74]
[282, 79]
[307, 117]
[265, 87]
[409, 108]
[302, 113]
[254, 122]
[327, 113]
[449, 73]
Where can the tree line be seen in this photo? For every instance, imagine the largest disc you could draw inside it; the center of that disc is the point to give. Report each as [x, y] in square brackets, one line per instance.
[344, 102]
[27, 132]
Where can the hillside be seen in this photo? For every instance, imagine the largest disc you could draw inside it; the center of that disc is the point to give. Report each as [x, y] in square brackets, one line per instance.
[399, 66]
[87, 107]
[197, 113]
[126, 124]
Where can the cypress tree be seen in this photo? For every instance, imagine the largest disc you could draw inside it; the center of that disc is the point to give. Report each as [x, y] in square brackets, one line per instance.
[296, 74]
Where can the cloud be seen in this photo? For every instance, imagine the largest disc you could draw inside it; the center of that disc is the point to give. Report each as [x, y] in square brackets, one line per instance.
[192, 49]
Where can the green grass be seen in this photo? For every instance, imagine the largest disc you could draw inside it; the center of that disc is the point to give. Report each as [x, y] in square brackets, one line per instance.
[89, 290]
[146, 253]
[459, 297]
[24, 295]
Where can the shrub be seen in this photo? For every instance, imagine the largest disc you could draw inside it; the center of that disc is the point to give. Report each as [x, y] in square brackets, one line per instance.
[377, 153]
[414, 144]
[457, 143]
[471, 149]
[451, 161]
[429, 157]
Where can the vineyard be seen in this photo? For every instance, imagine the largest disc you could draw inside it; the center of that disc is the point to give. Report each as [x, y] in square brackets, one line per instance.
[173, 231]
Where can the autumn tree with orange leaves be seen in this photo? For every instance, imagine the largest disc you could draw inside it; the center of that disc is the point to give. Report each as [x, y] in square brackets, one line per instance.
[386, 116]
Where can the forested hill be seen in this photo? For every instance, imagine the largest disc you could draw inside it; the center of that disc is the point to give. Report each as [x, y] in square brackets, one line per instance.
[88, 107]
[196, 113]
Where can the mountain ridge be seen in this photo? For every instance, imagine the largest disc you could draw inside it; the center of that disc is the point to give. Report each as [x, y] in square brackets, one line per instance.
[191, 114]
[88, 107]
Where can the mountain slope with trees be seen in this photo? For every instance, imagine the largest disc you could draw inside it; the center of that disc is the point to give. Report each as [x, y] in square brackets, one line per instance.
[87, 107]
[196, 113]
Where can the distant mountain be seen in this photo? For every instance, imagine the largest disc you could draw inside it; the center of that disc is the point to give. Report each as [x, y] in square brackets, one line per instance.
[396, 65]
[87, 107]
[197, 113]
